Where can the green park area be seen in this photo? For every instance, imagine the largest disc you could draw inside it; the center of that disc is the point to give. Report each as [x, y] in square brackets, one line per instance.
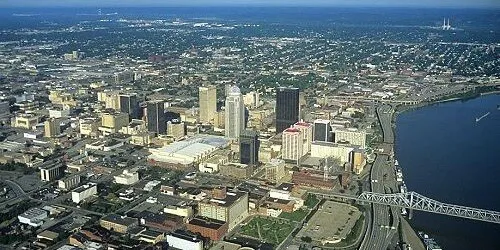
[268, 229]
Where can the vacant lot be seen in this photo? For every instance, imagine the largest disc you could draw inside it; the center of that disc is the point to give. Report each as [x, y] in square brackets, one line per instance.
[333, 222]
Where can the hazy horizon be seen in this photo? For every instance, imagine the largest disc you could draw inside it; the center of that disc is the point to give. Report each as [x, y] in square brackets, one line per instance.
[256, 3]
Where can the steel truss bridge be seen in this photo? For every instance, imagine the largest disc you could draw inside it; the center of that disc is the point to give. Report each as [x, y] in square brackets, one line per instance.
[415, 201]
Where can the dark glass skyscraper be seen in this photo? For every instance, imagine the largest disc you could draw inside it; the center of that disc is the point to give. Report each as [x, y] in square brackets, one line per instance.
[287, 108]
[323, 131]
[156, 117]
[249, 147]
[130, 105]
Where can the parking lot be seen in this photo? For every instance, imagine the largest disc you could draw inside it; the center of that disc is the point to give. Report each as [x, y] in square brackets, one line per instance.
[331, 223]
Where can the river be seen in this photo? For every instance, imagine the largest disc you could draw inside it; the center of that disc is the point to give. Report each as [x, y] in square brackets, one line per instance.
[448, 156]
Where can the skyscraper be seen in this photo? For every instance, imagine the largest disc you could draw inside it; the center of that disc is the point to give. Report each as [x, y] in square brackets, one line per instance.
[208, 103]
[52, 128]
[287, 108]
[130, 105]
[156, 116]
[234, 113]
[323, 131]
[249, 147]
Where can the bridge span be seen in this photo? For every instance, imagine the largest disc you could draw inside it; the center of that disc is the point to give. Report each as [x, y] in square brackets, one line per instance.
[415, 201]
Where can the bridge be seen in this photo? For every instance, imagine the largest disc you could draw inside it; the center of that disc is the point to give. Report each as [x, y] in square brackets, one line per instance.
[415, 201]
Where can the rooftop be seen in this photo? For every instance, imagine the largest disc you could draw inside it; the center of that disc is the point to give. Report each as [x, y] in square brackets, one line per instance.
[207, 222]
[292, 130]
[122, 220]
[231, 197]
[84, 187]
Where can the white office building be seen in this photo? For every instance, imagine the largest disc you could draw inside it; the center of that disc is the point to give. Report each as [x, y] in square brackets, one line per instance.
[69, 182]
[234, 113]
[350, 136]
[127, 177]
[184, 242]
[83, 192]
[328, 149]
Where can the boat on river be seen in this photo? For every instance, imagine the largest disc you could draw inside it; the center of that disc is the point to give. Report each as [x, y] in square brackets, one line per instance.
[483, 116]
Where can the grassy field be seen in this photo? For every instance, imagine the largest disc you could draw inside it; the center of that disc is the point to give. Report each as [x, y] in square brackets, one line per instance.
[268, 229]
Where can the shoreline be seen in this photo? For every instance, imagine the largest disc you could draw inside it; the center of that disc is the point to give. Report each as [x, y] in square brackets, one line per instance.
[403, 108]
[399, 109]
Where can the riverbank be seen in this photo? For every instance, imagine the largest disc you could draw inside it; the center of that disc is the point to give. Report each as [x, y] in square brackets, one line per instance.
[477, 92]
[448, 121]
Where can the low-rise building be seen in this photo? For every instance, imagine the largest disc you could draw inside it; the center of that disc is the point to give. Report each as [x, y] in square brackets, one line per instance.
[231, 207]
[33, 217]
[314, 179]
[207, 227]
[180, 210]
[117, 223]
[213, 163]
[83, 192]
[161, 222]
[25, 121]
[184, 241]
[237, 170]
[89, 127]
[127, 177]
[275, 170]
[69, 182]
[150, 236]
[50, 172]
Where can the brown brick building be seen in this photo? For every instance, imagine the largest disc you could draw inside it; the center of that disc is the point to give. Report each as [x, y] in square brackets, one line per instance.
[210, 228]
[313, 179]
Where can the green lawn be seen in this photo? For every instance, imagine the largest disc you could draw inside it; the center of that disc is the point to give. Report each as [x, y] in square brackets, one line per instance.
[298, 215]
[268, 229]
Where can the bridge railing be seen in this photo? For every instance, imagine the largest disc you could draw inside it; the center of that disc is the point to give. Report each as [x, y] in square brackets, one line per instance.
[415, 201]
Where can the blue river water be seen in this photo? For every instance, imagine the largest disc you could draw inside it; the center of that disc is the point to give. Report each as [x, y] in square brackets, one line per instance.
[448, 156]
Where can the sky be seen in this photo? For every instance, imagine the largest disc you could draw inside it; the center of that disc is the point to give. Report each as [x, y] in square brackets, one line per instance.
[166, 3]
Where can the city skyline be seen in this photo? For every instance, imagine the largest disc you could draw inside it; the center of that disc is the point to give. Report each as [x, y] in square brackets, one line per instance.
[208, 128]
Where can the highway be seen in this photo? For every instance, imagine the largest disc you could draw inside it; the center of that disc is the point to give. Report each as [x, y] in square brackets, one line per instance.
[383, 227]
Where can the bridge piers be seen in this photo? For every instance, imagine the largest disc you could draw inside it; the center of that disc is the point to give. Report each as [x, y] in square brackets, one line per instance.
[410, 214]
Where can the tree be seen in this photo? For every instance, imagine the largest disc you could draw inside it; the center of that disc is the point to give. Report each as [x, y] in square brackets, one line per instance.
[306, 239]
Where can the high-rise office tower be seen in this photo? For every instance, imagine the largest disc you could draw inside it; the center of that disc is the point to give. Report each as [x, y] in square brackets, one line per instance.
[234, 113]
[323, 131]
[52, 128]
[130, 105]
[176, 129]
[208, 103]
[249, 147]
[156, 116]
[287, 108]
